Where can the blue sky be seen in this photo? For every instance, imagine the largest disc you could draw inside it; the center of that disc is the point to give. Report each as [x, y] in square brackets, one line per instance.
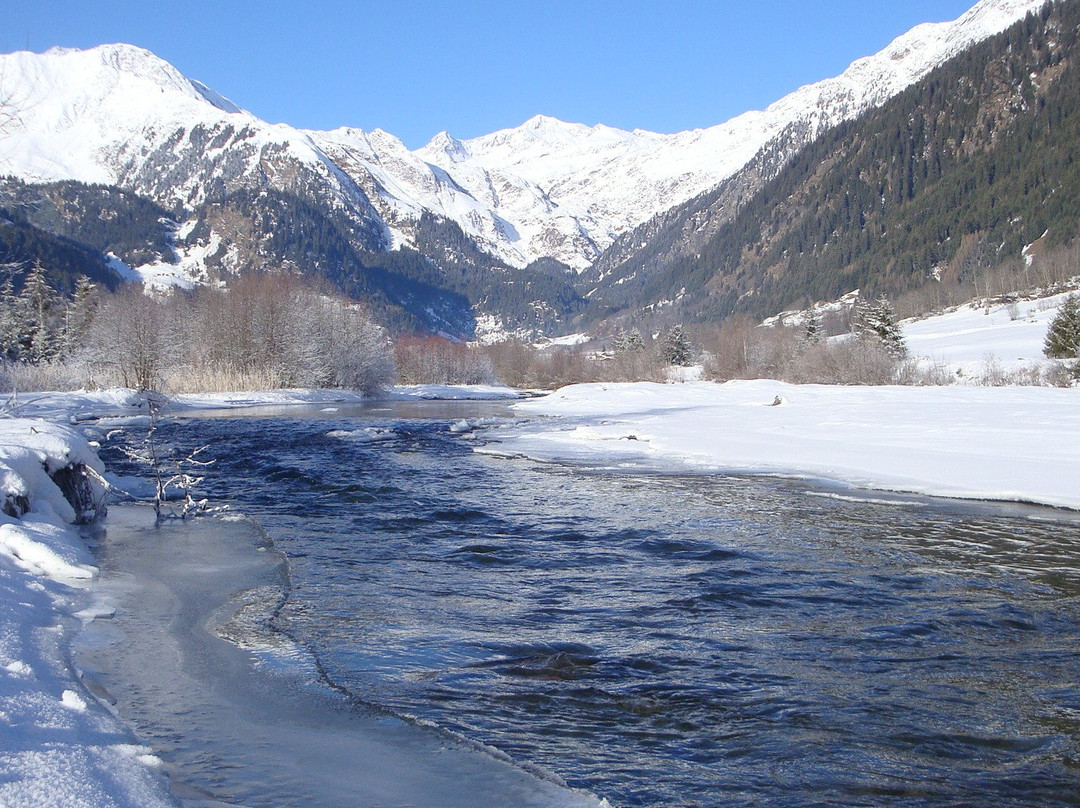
[416, 67]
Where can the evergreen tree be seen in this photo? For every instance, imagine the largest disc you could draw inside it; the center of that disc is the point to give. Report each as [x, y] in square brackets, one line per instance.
[10, 317]
[78, 314]
[38, 309]
[629, 342]
[812, 329]
[676, 348]
[878, 321]
[1063, 335]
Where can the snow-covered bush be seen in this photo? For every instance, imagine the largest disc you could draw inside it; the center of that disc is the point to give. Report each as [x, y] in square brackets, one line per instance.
[264, 332]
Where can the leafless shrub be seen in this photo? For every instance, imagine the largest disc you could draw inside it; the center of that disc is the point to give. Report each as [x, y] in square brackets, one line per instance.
[22, 376]
[918, 373]
[176, 473]
[264, 332]
[435, 360]
[632, 366]
[992, 374]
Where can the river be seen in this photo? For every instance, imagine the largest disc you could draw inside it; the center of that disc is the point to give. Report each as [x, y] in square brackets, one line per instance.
[654, 639]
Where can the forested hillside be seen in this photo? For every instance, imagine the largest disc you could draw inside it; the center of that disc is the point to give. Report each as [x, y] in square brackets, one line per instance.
[956, 175]
[68, 227]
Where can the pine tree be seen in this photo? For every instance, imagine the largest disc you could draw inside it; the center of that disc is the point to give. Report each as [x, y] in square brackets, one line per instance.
[676, 348]
[878, 321]
[629, 342]
[1063, 335]
[10, 317]
[39, 303]
[812, 329]
[78, 314]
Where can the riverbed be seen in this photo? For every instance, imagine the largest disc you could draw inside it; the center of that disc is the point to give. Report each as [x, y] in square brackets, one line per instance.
[653, 639]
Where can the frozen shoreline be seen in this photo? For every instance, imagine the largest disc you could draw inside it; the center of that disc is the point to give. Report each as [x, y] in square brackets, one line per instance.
[62, 746]
[59, 746]
[1011, 444]
[245, 713]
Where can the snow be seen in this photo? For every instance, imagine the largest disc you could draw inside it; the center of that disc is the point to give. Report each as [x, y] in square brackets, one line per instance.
[545, 188]
[58, 745]
[569, 340]
[455, 392]
[971, 338]
[159, 275]
[1015, 444]
[123, 403]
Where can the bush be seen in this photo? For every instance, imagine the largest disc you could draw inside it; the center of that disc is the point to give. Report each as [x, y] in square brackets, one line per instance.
[435, 360]
[263, 332]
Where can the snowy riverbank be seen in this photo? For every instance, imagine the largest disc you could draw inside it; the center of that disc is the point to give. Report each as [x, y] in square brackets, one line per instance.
[58, 746]
[115, 402]
[1017, 444]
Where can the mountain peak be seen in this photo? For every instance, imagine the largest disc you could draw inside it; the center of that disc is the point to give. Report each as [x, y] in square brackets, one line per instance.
[546, 122]
[446, 144]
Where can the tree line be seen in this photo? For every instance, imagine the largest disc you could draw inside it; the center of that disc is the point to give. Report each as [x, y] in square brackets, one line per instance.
[263, 331]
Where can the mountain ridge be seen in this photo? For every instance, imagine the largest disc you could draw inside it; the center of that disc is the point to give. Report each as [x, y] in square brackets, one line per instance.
[936, 189]
[119, 115]
[547, 188]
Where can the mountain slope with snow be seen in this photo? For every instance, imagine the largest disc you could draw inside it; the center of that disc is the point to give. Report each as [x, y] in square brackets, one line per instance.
[570, 189]
[119, 115]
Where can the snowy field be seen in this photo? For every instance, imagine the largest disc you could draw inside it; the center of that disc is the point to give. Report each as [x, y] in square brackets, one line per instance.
[1017, 444]
[970, 340]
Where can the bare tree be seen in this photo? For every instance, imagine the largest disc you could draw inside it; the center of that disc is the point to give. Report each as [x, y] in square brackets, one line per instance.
[127, 338]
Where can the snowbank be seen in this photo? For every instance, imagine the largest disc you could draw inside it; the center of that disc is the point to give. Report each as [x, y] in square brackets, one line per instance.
[1001, 443]
[453, 392]
[58, 745]
[262, 398]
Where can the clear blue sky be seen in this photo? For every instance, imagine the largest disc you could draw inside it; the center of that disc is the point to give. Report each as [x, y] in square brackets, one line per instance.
[416, 67]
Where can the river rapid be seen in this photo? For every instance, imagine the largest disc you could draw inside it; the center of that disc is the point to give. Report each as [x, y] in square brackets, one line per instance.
[654, 639]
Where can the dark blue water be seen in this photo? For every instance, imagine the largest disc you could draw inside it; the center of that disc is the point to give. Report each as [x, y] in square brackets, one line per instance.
[672, 640]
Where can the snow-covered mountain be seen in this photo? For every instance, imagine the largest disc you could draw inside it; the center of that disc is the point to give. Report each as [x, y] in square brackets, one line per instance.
[569, 190]
[119, 115]
[245, 193]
